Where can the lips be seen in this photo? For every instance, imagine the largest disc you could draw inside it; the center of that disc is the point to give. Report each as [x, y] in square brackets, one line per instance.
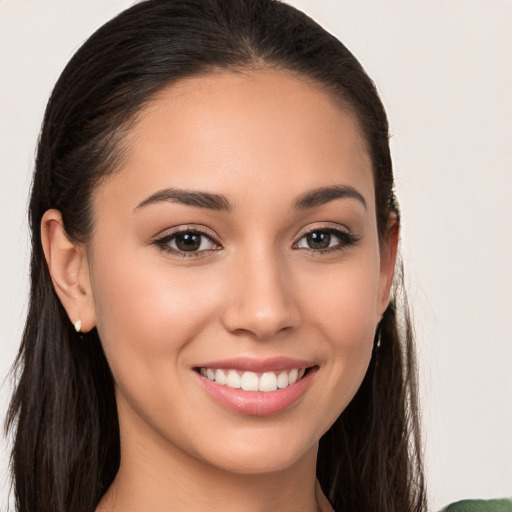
[256, 387]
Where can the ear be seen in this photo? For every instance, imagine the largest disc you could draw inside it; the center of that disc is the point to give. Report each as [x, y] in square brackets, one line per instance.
[388, 252]
[69, 270]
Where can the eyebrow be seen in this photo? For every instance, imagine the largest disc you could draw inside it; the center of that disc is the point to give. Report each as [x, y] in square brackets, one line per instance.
[205, 200]
[323, 195]
[219, 202]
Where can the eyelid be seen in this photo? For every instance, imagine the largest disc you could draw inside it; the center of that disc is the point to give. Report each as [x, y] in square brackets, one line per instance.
[185, 228]
[325, 226]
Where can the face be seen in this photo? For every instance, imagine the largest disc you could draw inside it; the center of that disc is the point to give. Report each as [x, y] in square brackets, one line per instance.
[238, 243]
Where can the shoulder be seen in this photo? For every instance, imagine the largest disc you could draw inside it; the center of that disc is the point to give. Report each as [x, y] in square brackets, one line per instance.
[502, 505]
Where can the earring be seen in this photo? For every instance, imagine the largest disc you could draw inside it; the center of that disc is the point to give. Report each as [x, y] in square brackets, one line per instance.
[378, 335]
[78, 325]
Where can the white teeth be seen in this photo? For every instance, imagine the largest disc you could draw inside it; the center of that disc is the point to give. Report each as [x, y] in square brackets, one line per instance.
[233, 379]
[251, 381]
[268, 382]
[220, 377]
[282, 380]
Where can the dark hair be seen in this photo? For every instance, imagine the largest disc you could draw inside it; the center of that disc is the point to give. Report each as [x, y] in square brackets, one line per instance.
[63, 413]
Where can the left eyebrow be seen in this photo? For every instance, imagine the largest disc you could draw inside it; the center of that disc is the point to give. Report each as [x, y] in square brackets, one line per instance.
[324, 195]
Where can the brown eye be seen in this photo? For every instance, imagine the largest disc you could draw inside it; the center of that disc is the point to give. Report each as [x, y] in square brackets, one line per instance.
[325, 240]
[187, 242]
[318, 240]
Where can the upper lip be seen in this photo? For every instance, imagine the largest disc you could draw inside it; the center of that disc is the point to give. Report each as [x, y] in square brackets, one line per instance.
[258, 365]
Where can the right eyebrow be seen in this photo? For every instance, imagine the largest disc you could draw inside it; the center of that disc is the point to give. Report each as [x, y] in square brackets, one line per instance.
[197, 199]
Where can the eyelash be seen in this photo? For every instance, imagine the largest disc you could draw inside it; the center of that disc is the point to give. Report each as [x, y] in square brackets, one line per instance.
[346, 239]
[164, 242]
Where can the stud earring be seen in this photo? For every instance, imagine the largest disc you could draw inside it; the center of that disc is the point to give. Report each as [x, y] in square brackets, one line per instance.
[378, 333]
[78, 325]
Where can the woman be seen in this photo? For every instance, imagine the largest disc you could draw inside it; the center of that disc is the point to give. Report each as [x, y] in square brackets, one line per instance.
[214, 243]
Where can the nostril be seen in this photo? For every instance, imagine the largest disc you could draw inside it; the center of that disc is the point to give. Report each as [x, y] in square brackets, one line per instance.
[260, 324]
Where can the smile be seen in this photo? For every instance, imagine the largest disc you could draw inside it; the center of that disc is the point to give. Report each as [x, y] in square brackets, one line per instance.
[252, 381]
[256, 387]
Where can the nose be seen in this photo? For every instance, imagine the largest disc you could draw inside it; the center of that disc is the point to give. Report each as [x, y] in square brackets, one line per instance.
[260, 300]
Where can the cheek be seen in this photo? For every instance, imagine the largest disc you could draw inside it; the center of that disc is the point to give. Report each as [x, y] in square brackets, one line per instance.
[342, 300]
[147, 314]
[342, 309]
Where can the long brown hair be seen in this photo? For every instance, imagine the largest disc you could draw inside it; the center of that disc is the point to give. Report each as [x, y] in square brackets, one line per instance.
[63, 414]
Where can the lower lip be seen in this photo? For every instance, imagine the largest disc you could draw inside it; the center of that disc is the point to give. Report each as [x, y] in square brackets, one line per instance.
[257, 403]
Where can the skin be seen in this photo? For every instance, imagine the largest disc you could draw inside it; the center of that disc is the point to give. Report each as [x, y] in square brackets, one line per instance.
[262, 139]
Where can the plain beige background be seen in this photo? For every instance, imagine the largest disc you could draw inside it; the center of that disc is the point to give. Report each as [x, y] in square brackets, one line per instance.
[444, 70]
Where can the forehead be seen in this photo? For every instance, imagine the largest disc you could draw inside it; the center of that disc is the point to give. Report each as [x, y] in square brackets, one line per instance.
[244, 134]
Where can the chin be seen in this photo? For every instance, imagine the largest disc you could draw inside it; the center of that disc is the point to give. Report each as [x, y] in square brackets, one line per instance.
[267, 453]
[263, 463]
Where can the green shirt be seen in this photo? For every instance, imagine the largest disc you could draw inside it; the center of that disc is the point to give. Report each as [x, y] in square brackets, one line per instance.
[503, 505]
